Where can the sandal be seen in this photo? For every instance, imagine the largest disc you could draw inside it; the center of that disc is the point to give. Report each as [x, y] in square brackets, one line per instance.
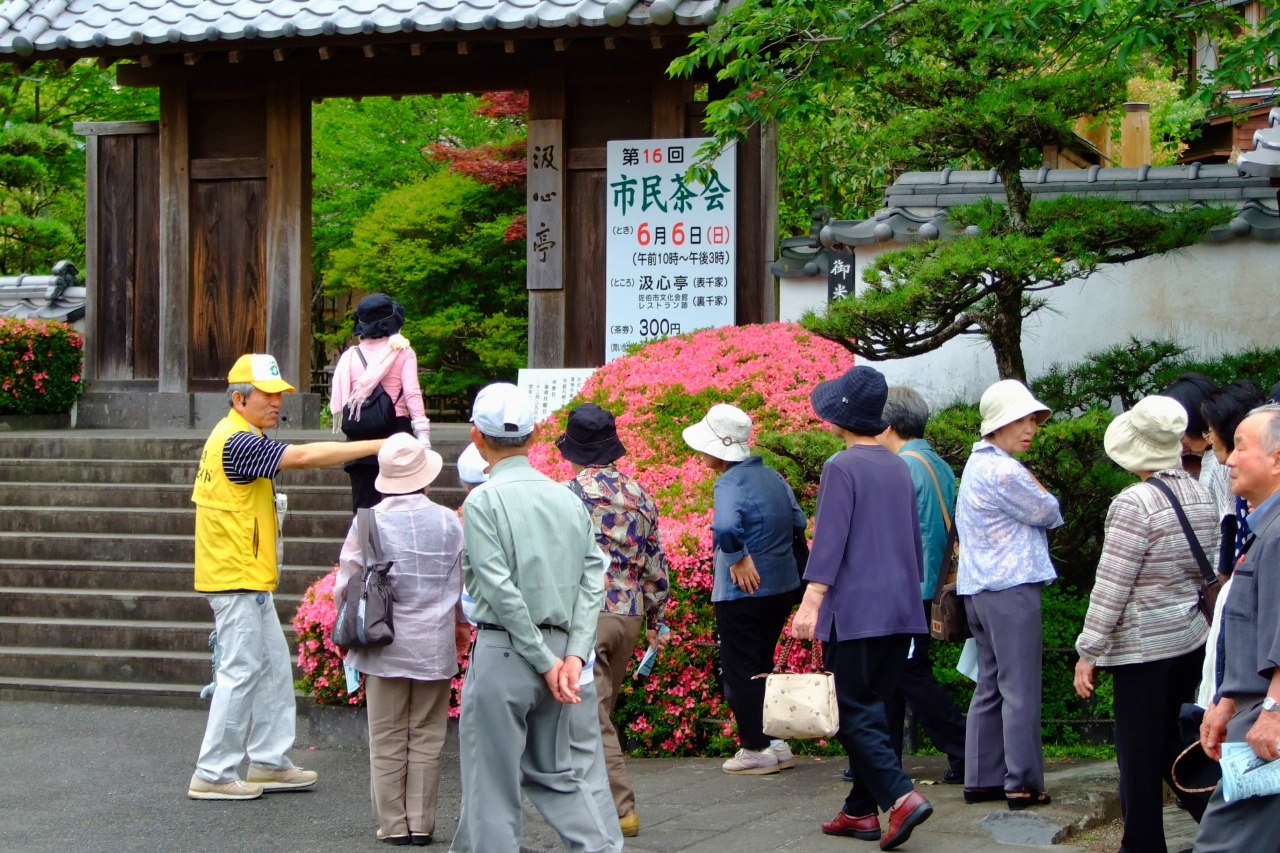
[983, 795]
[1019, 800]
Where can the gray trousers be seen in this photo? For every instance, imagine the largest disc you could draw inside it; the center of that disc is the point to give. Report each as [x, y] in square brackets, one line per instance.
[515, 737]
[1245, 825]
[1002, 732]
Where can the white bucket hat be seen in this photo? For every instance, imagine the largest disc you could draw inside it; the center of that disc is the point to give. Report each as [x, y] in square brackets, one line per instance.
[723, 433]
[405, 467]
[1007, 401]
[1148, 437]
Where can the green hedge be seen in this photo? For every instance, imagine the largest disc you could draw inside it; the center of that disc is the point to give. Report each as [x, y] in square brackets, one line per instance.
[40, 366]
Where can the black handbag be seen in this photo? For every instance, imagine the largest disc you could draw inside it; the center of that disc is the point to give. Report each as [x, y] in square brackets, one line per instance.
[374, 417]
[365, 617]
[1210, 588]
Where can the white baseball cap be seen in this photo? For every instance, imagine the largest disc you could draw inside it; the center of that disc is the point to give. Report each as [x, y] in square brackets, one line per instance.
[503, 410]
[471, 466]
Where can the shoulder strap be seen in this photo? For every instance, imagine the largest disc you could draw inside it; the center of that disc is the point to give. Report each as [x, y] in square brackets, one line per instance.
[937, 487]
[363, 360]
[1196, 550]
[370, 541]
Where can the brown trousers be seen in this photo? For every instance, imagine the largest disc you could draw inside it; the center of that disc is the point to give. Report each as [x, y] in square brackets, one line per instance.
[615, 649]
[407, 722]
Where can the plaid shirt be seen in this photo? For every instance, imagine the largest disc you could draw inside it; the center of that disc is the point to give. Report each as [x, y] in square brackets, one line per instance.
[625, 519]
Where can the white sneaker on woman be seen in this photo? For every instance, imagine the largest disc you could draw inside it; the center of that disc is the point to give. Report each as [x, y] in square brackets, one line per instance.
[751, 762]
[782, 752]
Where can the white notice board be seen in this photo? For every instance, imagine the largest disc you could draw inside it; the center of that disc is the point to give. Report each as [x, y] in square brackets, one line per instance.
[550, 388]
[669, 243]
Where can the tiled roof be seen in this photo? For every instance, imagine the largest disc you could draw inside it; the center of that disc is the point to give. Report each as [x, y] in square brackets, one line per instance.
[35, 26]
[916, 205]
[51, 297]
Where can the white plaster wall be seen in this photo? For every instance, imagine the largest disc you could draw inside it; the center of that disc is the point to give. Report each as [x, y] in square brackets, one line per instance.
[1212, 298]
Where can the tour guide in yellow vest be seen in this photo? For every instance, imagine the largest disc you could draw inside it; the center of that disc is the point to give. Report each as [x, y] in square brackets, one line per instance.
[252, 713]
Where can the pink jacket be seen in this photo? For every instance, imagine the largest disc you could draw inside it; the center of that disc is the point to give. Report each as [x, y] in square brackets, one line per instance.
[402, 374]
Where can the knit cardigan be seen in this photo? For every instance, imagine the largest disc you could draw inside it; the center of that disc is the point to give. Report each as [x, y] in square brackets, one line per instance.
[1143, 604]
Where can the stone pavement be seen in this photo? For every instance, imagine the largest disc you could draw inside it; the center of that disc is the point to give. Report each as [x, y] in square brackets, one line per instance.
[114, 779]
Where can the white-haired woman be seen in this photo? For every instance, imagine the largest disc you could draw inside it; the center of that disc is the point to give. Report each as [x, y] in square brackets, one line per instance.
[1003, 514]
[407, 682]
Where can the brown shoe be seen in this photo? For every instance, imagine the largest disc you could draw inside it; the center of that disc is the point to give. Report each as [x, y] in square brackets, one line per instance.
[866, 828]
[915, 810]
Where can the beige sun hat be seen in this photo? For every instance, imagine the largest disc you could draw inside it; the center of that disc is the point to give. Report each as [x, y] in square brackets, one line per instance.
[1007, 401]
[723, 433]
[405, 466]
[1148, 437]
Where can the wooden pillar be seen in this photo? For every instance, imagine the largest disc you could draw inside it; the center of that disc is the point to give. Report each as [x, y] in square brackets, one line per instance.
[175, 239]
[92, 262]
[545, 273]
[288, 215]
[751, 268]
[768, 167]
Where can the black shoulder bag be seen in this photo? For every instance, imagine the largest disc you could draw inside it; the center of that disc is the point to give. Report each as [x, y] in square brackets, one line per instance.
[374, 417]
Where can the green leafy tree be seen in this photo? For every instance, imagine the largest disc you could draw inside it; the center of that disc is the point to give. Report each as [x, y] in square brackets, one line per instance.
[976, 83]
[439, 246]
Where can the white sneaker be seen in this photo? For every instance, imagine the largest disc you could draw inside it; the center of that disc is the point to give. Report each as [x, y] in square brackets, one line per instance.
[199, 789]
[292, 779]
[782, 752]
[751, 762]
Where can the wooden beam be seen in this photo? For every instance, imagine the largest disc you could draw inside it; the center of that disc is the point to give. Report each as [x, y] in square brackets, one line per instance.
[147, 60]
[508, 46]
[655, 42]
[586, 159]
[463, 49]
[415, 49]
[369, 51]
[64, 64]
[561, 45]
[233, 56]
[92, 259]
[280, 54]
[191, 58]
[175, 239]
[288, 208]
[610, 43]
[104, 62]
[228, 168]
[326, 52]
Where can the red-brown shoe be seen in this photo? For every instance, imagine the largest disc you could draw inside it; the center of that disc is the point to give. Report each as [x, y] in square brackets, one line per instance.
[915, 810]
[866, 827]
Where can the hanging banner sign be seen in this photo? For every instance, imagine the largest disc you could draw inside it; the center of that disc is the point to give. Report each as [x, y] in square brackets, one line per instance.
[669, 249]
[839, 274]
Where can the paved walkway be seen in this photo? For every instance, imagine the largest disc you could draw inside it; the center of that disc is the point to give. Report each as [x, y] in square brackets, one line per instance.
[114, 779]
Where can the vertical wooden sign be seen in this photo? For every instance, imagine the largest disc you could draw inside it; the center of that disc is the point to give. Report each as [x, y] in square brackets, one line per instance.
[545, 244]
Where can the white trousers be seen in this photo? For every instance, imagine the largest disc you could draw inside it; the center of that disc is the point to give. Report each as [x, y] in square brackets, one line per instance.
[253, 713]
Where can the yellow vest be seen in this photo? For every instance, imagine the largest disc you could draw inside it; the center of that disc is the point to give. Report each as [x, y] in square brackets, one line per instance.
[235, 525]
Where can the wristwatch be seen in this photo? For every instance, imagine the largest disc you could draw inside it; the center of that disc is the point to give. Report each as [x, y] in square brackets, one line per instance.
[1269, 704]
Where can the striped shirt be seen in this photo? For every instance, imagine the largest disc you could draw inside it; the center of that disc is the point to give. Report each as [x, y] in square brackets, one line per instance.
[247, 457]
[1143, 604]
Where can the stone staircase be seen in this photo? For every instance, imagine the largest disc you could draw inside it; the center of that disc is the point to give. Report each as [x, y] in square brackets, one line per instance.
[96, 527]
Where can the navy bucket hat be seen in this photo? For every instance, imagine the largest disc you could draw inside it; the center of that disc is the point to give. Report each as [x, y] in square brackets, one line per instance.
[854, 401]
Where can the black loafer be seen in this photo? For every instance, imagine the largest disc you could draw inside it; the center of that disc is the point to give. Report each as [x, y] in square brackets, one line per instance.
[983, 795]
[420, 839]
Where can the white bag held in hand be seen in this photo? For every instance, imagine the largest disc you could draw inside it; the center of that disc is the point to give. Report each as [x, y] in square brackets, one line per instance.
[800, 705]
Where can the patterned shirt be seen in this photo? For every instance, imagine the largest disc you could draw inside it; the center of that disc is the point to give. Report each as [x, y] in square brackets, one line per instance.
[1143, 604]
[625, 519]
[1002, 516]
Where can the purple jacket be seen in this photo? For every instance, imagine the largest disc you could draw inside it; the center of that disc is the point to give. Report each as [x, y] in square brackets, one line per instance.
[866, 547]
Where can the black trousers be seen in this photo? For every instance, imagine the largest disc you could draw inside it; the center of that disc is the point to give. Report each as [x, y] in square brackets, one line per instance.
[1148, 697]
[866, 671]
[930, 705]
[364, 471]
[749, 629]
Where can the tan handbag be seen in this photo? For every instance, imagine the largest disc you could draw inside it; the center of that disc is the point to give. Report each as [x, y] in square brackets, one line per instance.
[800, 704]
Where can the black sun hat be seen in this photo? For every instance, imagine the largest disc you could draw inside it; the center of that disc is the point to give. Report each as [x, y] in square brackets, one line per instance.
[590, 437]
[854, 401]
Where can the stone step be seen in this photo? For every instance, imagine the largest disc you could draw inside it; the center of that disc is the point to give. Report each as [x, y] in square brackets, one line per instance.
[125, 605]
[118, 665]
[325, 524]
[122, 575]
[146, 548]
[78, 691]
[63, 497]
[49, 632]
[141, 471]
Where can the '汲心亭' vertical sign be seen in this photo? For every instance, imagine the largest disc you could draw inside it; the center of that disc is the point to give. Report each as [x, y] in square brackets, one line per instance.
[670, 244]
[545, 241]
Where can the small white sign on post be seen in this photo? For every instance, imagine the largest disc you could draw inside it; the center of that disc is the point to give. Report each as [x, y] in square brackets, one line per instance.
[550, 388]
[669, 245]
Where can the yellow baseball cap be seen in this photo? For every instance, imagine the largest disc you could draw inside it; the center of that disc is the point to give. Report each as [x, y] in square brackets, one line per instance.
[260, 371]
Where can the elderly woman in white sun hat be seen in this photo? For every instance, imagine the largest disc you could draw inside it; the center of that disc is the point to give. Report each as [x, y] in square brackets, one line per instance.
[1143, 625]
[1003, 514]
[407, 682]
[756, 516]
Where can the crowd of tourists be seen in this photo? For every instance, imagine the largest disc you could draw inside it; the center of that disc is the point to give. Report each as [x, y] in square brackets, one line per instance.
[551, 586]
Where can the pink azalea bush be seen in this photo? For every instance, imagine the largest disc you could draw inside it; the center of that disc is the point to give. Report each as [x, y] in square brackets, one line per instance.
[40, 366]
[654, 393]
